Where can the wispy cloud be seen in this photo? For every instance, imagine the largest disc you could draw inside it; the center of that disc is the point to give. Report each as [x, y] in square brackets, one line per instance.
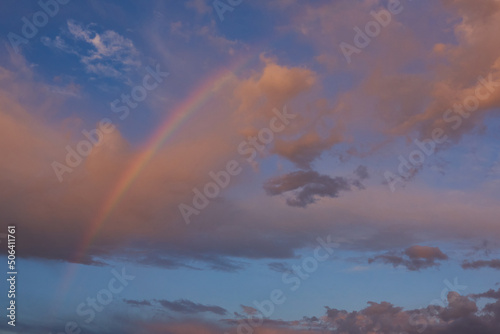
[106, 53]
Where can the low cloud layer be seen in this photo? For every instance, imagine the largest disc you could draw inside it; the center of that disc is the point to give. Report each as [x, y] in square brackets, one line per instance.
[454, 314]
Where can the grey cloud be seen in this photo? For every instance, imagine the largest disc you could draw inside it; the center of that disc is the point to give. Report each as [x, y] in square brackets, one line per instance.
[362, 172]
[137, 302]
[279, 267]
[488, 294]
[458, 307]
[188, 307]
[304, 187]
[413, 258]
[495, 264]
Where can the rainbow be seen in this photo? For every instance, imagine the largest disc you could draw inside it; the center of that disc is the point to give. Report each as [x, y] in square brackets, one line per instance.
[173, 122]
[189, 106]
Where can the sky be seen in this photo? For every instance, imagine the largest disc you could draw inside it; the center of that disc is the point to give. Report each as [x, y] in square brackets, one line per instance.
[256, 167]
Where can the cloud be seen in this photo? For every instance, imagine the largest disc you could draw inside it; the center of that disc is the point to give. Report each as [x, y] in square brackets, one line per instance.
[307, 148]
[106, 54]
[414, 258]
[188, 307]
[388, 100]
[73, 203]
[426, 253]
[458, 314]
[137, 302]
[249, 310]
[456, 78]
[391, 100]
[279, 267]
[495, 264]
[146, 227]
[274, 86]
[458, 307]
[362, 172]
[305, 187]
[488, 294]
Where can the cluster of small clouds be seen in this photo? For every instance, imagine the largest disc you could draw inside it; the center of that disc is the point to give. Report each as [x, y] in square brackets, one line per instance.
[460, 314]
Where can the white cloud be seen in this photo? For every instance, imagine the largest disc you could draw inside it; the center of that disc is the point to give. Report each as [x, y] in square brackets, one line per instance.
[107, 54]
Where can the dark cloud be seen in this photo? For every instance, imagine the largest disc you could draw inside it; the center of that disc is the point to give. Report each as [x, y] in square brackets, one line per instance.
[304, 187]
[362, 172]
[413, 258]
[137, 302]
[495, 264]
[279, 267]
[175, 259]
[488, 294]
[188, 307]
[180, 306]
[458, 307]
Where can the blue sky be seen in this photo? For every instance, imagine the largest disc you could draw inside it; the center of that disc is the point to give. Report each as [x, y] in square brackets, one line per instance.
[116, 115]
